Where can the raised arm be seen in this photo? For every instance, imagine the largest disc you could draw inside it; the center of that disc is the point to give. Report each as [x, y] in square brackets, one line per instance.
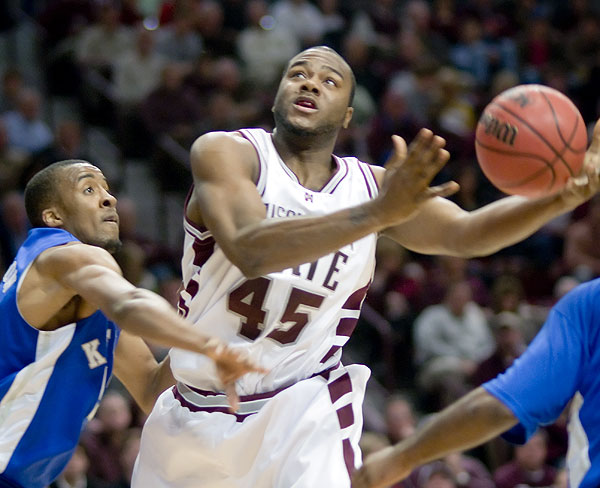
[226, 201]
[472, 420]
[441, 227]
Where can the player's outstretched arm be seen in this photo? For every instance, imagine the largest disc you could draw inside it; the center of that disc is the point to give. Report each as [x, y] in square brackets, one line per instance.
[93, 274]
[441, 227]
[470, 421]
[226, 201]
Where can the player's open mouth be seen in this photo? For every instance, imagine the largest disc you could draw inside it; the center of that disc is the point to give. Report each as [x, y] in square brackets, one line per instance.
[305, 103]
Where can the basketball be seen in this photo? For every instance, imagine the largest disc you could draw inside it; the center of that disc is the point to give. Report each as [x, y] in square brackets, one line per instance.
[530, 140]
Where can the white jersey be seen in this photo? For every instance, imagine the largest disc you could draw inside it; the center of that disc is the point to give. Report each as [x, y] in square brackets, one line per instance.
[294, 321]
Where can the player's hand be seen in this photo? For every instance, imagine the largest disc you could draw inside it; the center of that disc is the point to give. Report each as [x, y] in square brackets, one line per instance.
[379, 471]
[409, 172]
[587, 183]
[231, 364]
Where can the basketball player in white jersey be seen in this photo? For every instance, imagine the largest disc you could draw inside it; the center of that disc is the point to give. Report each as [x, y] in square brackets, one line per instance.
[279, 253]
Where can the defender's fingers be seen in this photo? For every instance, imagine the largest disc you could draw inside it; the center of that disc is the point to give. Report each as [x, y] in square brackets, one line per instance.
[444, 190]
[232, 397]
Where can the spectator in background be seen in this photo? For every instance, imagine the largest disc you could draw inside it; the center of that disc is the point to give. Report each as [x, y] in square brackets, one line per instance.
[170, 108]
[300, 19]
[450, 339]
[68, 143]
[75, 474]
[400, 418]
[508, 335]
[14, 218]
[581, 255]
[264, 46]
[104, 436]
[24, 126]
[178, 41]
[528, 467]
[12, 162]
[137, 71]
[12, 84]
[129, 451]
[100, 43]
[469, 54]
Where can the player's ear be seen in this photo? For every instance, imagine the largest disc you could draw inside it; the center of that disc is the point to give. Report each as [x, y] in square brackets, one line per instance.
[347, 117]
[52, 217]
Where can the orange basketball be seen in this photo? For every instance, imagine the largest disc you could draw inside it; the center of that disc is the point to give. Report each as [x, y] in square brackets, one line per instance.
[530, 140]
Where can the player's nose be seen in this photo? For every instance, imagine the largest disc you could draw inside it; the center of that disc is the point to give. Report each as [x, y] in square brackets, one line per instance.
[310, 84]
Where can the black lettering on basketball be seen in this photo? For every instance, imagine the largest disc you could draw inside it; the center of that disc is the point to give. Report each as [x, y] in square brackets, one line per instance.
[503, 131]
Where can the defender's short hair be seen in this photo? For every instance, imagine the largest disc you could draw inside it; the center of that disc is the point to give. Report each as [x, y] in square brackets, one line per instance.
[42, 190]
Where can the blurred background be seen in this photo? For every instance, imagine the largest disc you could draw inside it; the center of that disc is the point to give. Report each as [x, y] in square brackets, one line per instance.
[129, 84]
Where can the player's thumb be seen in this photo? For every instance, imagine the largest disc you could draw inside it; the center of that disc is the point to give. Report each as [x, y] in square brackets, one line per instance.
[595, 145]
[399, 155]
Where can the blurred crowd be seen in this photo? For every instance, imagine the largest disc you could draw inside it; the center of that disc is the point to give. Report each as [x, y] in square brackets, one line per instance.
[156, 74]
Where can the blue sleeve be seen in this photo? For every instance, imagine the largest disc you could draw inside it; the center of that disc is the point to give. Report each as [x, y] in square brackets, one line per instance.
[539, 384]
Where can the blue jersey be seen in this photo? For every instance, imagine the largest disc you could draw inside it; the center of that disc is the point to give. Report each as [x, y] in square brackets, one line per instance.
[50, 381]
[562, 363]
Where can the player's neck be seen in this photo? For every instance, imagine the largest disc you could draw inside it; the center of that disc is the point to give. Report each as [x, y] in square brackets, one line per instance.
[311, 160]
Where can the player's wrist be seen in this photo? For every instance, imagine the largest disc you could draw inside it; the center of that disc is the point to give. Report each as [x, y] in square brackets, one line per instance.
[213, 348]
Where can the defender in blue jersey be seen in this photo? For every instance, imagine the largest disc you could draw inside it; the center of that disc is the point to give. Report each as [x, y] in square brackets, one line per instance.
[60, 301]
[561, 365]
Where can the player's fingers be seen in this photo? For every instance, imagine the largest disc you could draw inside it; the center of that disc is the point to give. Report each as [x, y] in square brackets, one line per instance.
[443, 190]
[232, 397]
[399, 155]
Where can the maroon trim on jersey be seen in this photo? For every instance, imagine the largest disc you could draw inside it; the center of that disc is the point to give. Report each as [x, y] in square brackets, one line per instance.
[252, 140]
[355, 300]
[203, 249]
[338, 160]
[366, 180]
[330, 353]
[243, 398]
[373, 174]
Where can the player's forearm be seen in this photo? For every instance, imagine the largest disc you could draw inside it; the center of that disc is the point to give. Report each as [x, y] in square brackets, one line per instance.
[147, 315]
[504, 223]
[472, 420]
[273, 245]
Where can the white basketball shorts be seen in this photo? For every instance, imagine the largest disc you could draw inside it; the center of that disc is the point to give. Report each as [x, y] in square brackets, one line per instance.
[304, 436]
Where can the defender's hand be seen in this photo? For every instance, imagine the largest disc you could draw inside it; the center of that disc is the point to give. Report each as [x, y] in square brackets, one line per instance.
[231, 364]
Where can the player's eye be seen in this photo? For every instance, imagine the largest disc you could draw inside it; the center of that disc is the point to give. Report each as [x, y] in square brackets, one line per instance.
[331, 81]
[298, 74]
[89, 189]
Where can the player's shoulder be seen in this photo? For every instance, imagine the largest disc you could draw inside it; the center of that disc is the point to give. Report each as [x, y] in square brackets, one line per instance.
[221, 140]
[230, 150]
[72, 256]
[580, 301]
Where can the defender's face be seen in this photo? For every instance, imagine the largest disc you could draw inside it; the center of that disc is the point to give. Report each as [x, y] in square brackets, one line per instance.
[314, 92]
[88, 210]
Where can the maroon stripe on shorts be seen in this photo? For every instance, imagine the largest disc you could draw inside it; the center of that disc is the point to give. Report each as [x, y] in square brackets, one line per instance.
[195, 408]
[339, 387]
[348, 455]
[345, 416]
[346, 326]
